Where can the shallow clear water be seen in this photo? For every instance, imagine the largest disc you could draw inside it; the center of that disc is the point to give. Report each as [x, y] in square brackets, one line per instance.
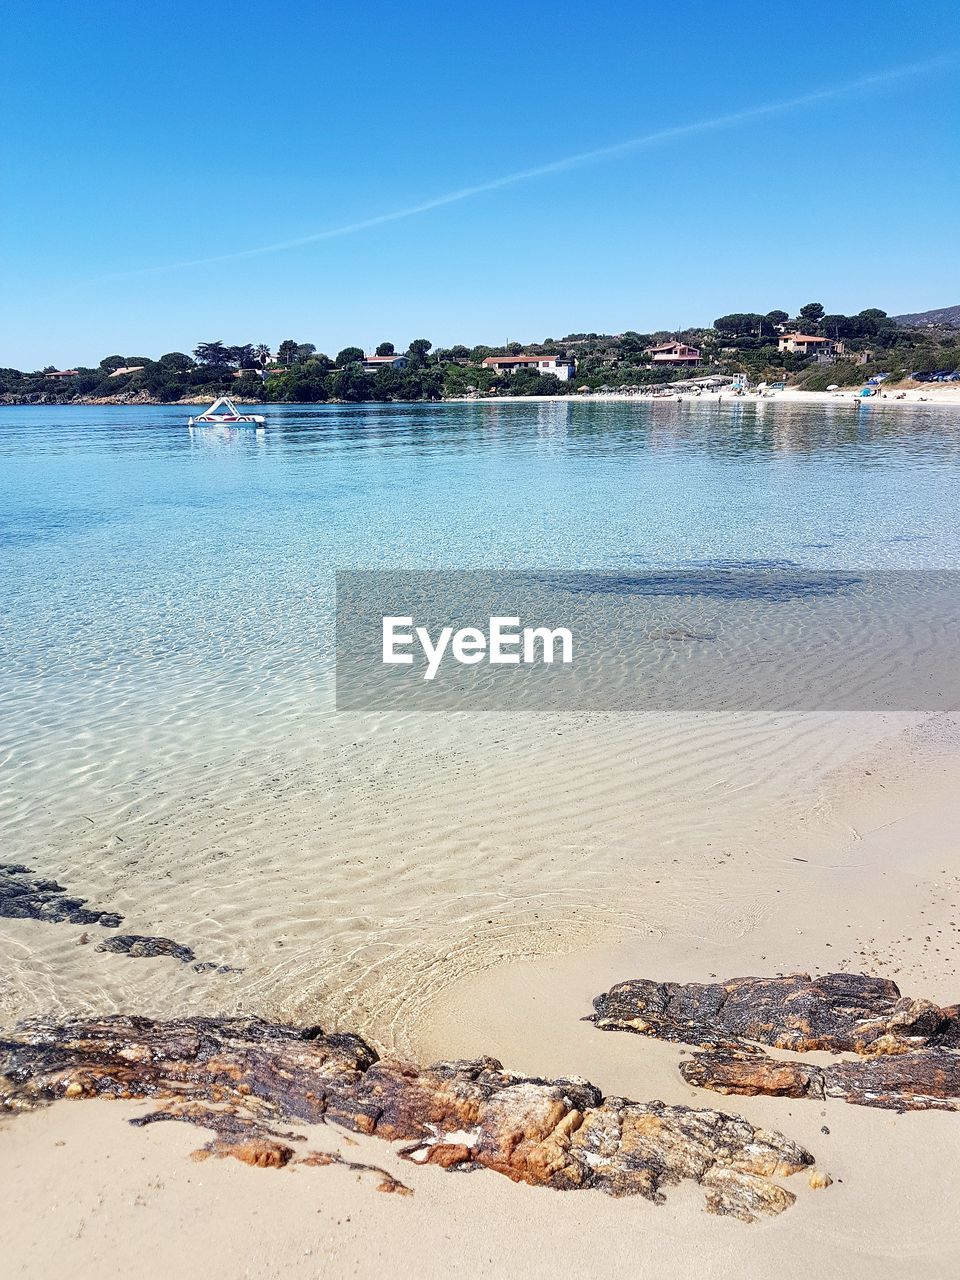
[132, 545]
[127, 537]
[166, 594]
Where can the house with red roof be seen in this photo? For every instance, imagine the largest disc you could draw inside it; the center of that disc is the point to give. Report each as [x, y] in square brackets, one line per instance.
[805, 344]
[372, 363]
[674, 353]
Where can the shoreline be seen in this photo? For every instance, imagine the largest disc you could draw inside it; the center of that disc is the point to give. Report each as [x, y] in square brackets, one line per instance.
[933, 395]
[912, 398]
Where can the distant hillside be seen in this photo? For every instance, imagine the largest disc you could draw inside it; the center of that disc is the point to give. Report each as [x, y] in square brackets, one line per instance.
[942, 316]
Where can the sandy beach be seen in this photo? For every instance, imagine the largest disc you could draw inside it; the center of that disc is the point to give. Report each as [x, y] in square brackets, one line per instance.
[934, 394]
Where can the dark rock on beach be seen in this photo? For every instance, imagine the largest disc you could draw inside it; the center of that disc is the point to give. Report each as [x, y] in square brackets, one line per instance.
[242, 1078]
[918, 1080]
[24, 896]
[142, 946]
[839, 1012]
[910, 1048]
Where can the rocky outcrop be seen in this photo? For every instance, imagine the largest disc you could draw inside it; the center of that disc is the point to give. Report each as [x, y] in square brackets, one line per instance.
[242, 1078]
[918, 1080]
[144, 946]
[25, 896]
[909, 1048]
[839, 1013]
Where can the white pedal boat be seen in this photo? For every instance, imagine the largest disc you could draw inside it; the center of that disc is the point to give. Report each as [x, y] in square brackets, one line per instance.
[224, 412]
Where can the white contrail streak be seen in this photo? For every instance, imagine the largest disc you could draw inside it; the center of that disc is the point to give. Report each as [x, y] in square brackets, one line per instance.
[568, 162]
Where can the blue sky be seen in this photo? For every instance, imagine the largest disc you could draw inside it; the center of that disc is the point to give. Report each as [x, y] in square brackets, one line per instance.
[142, 137]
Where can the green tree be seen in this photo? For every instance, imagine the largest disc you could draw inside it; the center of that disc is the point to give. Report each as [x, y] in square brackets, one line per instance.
[305, 350]
[349, 355]
[773, 318]
[525, 382]
[261, 354]
[301, 383]
[162, 382]
[417, 351]
[461, 380]
[926, 361]
[350, 382]
[176, 362]
[838, 326]
[213, 354]
[873, 322]
[287, 351]
[248, 386]
[386, 349]
[112, 362]
[427, 384]
[632, 345]
[241, 357]
[739, 323]
[811, 312]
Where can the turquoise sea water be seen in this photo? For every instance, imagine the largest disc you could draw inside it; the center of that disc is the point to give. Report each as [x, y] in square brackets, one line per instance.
[135, 551]
[127, 539]
[129, 495]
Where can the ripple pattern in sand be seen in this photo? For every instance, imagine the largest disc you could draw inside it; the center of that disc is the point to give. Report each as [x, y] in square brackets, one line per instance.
[352, 869]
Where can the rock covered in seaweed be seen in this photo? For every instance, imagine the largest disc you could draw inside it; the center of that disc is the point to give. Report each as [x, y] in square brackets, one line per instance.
[25, 896]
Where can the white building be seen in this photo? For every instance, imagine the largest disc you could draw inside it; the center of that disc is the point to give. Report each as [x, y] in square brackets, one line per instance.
[559, 366]
[372, 363]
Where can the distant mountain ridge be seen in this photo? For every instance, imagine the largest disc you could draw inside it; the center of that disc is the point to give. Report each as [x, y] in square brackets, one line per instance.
[943, 315]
